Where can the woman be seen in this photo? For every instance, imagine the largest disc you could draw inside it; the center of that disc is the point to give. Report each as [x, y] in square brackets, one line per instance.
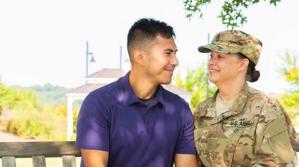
[240, 126]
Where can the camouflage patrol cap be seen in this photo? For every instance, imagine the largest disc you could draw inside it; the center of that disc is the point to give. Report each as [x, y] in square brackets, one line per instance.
[233, 42]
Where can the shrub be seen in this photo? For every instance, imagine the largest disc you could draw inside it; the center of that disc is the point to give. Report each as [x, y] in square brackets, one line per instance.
[43, 124]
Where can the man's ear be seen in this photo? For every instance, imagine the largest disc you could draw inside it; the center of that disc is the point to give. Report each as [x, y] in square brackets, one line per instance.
[139, 56]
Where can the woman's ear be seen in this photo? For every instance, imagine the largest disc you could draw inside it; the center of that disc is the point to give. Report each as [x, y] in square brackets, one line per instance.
[244, 64]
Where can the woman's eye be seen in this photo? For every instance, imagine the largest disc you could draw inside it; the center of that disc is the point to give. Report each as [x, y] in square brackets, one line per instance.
[220, 56]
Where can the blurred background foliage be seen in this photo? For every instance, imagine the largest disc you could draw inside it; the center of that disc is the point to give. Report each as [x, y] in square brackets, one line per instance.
[196, 82]
[290, 99]
[37, 112]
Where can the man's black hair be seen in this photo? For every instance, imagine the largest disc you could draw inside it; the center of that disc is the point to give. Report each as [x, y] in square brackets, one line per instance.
[147, 29]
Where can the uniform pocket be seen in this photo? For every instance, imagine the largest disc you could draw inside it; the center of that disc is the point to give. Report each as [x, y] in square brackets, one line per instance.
[279, 140]
[281, 146]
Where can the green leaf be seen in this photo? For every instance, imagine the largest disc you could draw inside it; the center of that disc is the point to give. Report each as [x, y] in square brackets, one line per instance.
[231, 14]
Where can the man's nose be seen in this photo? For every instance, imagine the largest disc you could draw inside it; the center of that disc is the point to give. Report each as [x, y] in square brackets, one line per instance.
[175, 61]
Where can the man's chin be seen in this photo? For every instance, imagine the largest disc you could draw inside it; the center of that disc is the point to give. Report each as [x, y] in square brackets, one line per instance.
[166, 81]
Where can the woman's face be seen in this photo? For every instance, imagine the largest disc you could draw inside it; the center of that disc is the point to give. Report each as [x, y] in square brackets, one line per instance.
[225, 67]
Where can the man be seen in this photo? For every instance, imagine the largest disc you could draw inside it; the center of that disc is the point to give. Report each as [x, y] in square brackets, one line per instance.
[134, 121]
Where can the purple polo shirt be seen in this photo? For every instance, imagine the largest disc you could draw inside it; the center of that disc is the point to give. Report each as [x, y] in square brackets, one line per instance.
[113, 119]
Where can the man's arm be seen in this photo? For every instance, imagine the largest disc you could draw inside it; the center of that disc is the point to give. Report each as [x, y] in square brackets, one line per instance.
[93, 132]
[186, 160]
[94, 158]
[185, 149]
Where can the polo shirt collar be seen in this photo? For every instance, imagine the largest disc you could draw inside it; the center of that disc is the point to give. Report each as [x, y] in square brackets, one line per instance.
[160, 95]
[132, 98]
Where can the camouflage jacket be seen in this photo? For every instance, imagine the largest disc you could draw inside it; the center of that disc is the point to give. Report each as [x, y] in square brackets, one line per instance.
[256, 131]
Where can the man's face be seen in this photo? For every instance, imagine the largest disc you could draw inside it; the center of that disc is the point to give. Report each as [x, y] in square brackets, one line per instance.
[160, 60]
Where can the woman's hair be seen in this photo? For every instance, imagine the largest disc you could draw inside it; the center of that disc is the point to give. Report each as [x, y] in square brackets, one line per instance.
[252, 74]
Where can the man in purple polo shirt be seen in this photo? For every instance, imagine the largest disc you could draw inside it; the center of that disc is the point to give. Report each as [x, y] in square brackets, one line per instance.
[135, 122]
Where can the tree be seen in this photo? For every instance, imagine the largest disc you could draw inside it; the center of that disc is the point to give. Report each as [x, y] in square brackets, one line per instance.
[195, 82]
[17, 98]
[50, 94]
[290, 71]
[231, 14]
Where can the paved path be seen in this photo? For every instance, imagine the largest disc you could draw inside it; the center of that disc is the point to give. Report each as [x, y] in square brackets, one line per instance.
[8, 137]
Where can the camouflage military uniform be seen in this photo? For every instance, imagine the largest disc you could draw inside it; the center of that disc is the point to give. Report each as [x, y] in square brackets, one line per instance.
[254, 132]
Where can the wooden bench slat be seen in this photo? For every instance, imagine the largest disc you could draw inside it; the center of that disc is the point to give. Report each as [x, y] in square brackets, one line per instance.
[29, 149]
[39, 161]
[8, 162]
[69, 161]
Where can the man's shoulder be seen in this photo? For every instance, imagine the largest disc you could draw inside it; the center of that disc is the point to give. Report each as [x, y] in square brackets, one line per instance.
[106, 90]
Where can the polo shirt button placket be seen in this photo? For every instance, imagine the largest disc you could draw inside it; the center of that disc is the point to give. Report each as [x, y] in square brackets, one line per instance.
[148, 117]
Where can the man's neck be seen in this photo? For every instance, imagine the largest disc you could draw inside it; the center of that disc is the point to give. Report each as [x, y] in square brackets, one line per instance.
[142, 87]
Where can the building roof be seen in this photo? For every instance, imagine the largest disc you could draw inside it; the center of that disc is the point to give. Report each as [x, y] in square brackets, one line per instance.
[108, 73]
[86, 88]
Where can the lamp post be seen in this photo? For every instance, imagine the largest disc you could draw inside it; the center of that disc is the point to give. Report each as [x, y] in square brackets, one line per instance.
[87, 61]
[70, 100]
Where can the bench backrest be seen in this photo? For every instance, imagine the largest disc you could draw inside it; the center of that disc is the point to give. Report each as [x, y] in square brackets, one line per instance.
[38, 151]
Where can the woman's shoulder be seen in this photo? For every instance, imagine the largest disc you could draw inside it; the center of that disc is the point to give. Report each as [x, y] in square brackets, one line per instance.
[270, 106]
[202, 106]
[208, 101]
[257, 95]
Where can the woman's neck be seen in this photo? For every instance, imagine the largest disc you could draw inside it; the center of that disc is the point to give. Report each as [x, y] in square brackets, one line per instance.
[230, 91]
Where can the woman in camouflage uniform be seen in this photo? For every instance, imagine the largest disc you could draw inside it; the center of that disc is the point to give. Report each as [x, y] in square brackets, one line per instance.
[240, 126]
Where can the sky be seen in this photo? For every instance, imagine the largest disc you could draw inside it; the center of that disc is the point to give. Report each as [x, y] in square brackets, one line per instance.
[43, 41]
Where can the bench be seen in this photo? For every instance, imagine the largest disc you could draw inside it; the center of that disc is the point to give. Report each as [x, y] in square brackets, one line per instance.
[38, 151]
